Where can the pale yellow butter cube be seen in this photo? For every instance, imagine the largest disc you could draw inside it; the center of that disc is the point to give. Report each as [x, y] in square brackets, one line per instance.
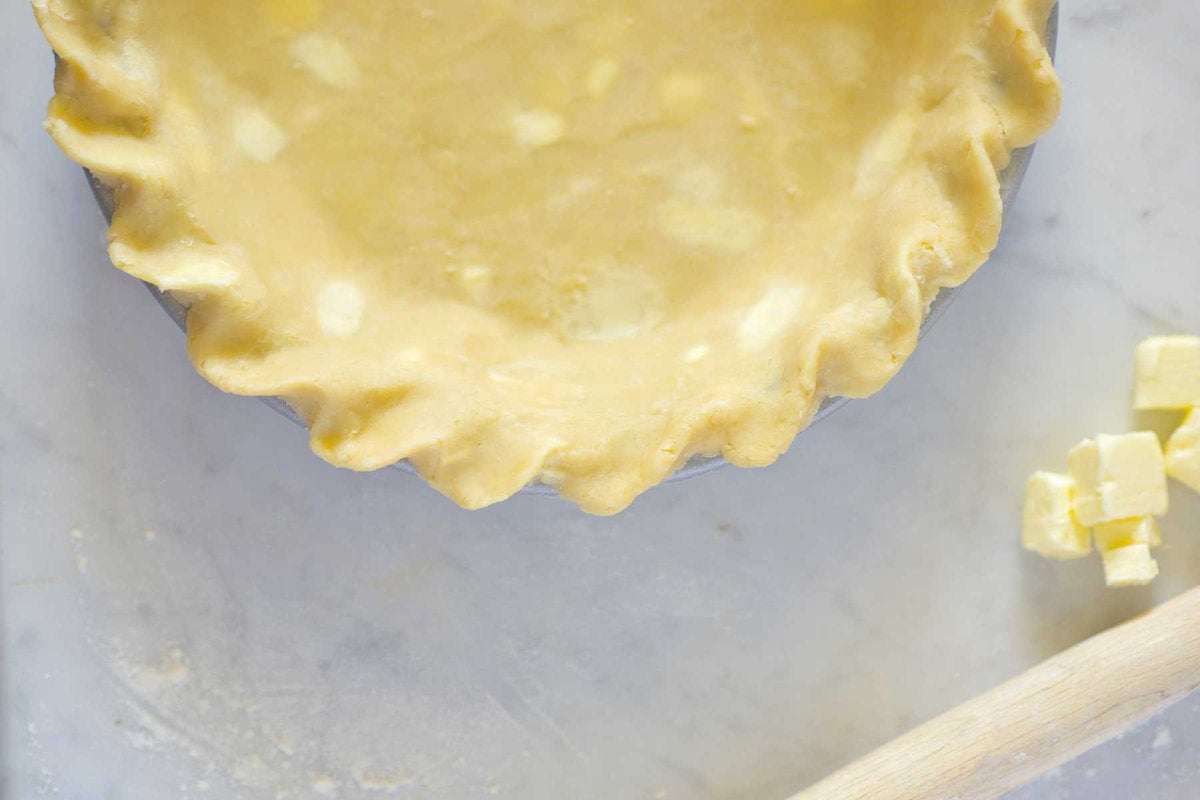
[1049, 528]
[1126, 532]
[1118, 477]
[1129, 566]
[1168, 372]
[1183, 452]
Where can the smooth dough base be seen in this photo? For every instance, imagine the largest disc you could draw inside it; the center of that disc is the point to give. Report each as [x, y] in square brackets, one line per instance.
[579, 241]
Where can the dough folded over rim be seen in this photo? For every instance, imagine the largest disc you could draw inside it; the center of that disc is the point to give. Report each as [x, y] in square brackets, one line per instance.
[578, 242]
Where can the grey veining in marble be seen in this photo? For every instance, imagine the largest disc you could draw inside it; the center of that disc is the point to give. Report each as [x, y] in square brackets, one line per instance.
[193, 606]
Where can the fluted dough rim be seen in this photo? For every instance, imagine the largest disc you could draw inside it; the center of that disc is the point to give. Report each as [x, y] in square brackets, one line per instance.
[99, 117]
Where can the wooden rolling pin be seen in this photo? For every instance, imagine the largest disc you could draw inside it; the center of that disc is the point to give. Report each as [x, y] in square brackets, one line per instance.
[1054, 712]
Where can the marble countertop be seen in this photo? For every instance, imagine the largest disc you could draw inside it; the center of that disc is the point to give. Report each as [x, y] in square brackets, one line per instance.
[193, 606]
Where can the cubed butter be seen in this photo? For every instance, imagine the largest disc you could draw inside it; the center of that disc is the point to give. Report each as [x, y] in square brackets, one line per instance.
[1049, 528]
[1183, 452]
[1168, 373]
[1129, 566]
[1126, 532]
[1118, 477]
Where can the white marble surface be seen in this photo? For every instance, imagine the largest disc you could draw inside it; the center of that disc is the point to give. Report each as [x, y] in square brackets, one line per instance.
[193, 606]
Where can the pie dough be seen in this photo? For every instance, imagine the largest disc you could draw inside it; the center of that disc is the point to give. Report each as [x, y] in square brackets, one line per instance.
[580, 241]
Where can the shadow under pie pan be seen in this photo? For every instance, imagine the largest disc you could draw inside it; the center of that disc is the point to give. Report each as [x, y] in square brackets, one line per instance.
[1010, 183]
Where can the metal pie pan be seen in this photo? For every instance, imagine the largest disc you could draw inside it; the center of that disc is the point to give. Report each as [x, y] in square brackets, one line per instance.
[1010, 184]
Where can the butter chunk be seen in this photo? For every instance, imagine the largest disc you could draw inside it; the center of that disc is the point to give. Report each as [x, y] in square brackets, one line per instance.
[1168, 373]
[1050, 529]
[1129, 566]
[538, 128]
[1183, 452]
[1118, 477]
[1125, 532]
[257, 135]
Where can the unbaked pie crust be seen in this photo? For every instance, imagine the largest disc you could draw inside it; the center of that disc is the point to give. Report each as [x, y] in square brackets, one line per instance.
[569, 240]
